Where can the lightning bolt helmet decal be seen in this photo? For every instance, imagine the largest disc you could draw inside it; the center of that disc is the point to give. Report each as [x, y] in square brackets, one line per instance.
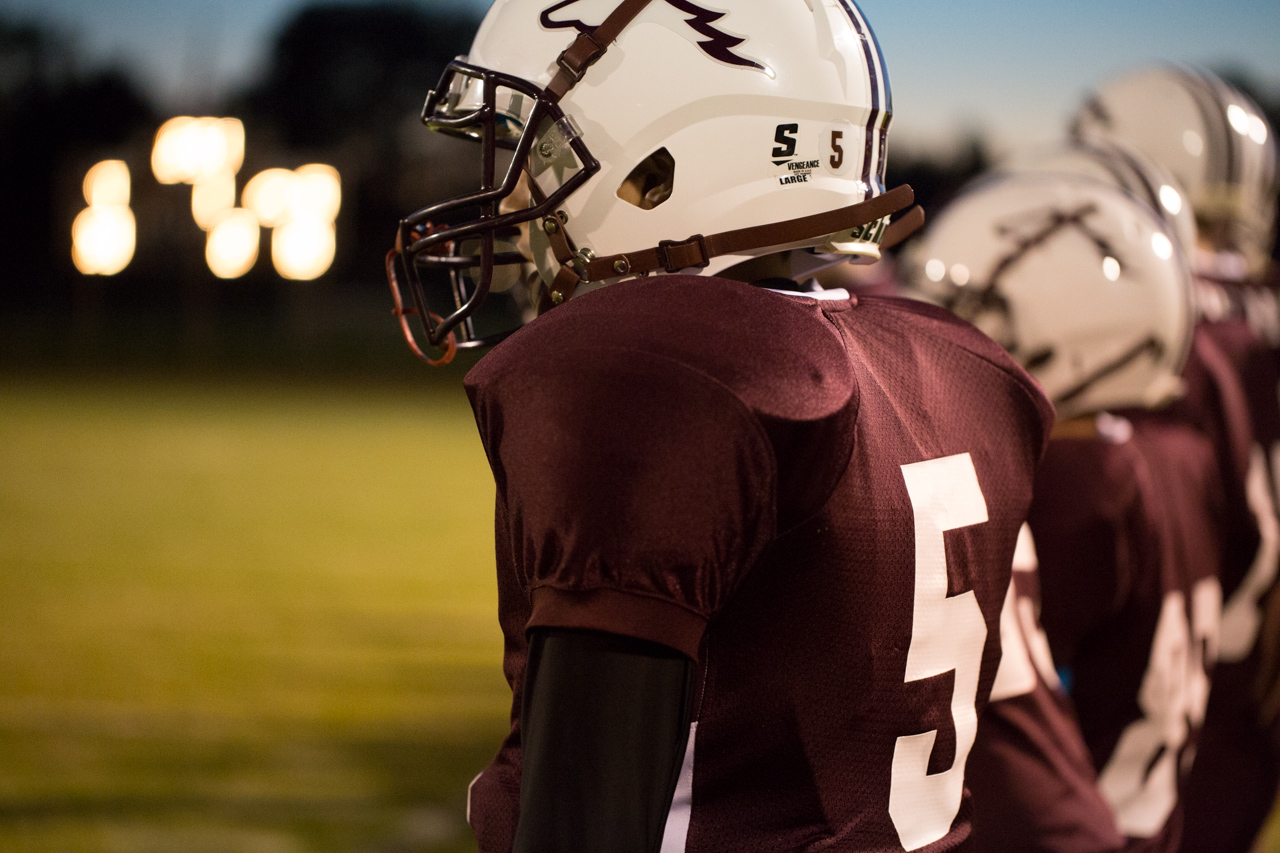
[716, 43]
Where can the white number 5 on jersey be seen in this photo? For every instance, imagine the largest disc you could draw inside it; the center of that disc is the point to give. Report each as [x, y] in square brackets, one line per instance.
[946, 634]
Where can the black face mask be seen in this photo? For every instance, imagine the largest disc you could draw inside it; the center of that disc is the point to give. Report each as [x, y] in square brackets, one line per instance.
[453, 255]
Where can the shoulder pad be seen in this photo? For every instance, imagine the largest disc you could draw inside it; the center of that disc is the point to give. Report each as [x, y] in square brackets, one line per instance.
[779, 355]
[940, 323]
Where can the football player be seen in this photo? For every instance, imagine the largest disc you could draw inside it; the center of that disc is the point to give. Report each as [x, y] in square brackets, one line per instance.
[1032, 779]
[1215, 141]
[1087, 287]
[752, 542]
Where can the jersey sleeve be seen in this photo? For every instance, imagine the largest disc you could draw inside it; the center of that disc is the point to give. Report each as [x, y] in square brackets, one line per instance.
[638, 490]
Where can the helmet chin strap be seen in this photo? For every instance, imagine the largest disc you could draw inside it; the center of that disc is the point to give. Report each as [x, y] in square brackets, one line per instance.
[577, 266]
[587, 49]
[698, 250]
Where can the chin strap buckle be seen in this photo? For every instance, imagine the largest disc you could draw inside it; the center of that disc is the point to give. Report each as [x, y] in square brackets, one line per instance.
[589, 47]
[676, 255]
[579, 56]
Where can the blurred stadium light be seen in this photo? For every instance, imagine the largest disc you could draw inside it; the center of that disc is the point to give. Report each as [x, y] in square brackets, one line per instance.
[188, 150]
[267, 195]
[104, 234]
[206, 153]
[301, 207]
[107, 183]
[302, 249]
[211, 197]
[316, 192]
[232, 245]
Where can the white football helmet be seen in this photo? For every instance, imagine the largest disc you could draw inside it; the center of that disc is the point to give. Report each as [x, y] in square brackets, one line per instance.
[1125, 167]
[1211, 137]
[653, 136]
[1079, 280]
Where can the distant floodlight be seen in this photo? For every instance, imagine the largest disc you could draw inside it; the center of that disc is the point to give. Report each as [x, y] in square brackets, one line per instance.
[267, 195]
[300, 206]
[103, 236]
[935, 270]
[960, 274]
[1171, 199]
[168, 154]
[212, 197]
[232, 132]
[316, 192]
[107, 183]
[232, 246]
[103, 239]
[303, 249]
[189, 149]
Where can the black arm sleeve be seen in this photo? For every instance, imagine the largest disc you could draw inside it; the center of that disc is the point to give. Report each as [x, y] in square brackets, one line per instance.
[603, 734]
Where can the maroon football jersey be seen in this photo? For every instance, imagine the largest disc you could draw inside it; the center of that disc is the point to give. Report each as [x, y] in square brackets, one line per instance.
[1031, 776]
[817, 500]
[1231, 382]
[1127, 528]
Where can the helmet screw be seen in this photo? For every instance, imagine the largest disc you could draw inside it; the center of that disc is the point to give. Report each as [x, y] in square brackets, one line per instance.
[550, 225]
[564, 217]
[546, 149]
[556, 297]
[621, 267]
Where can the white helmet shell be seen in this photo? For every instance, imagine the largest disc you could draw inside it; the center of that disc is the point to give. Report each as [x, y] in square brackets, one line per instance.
[1209, 135]
[769, 111]
[1080, 281]
[1127, 168]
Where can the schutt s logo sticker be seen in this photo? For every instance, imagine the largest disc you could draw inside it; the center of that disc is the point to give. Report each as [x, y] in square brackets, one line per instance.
[797, 170]
[715, 43]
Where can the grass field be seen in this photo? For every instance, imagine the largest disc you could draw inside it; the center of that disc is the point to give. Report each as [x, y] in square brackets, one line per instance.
[243, 617]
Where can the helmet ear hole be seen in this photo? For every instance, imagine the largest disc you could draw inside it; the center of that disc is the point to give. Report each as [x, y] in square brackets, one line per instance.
[650, 183]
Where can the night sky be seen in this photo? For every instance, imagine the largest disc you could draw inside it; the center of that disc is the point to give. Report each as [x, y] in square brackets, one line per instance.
[1010, 68]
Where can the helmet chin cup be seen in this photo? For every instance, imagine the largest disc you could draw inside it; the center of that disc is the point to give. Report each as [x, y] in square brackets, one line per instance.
[429, 321]
[861, 245]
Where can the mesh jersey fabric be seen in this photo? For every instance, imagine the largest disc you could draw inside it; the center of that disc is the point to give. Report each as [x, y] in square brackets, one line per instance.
[700, 463]
[1127, 529]
[1033, 783]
